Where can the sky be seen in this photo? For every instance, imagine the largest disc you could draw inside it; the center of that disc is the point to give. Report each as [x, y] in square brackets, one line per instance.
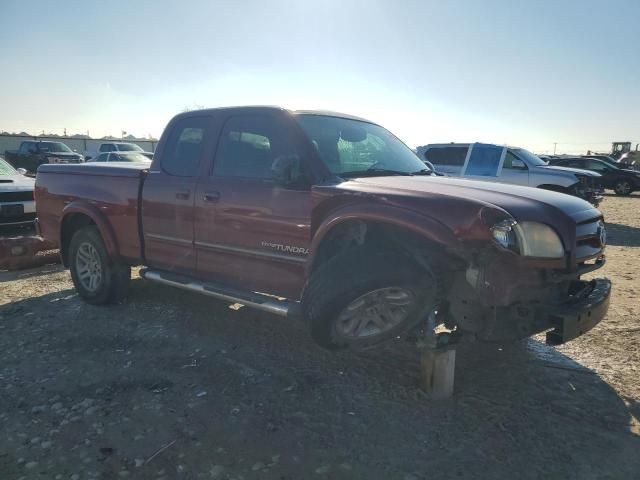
[529, 73]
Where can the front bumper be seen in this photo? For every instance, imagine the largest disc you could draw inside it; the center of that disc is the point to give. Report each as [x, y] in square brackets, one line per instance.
[572, 319]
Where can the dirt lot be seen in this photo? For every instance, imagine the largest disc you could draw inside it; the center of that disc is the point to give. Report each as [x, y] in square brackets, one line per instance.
[172, 385]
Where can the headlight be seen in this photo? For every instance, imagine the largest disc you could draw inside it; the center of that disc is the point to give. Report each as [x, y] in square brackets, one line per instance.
[538, 240]
[529, 239]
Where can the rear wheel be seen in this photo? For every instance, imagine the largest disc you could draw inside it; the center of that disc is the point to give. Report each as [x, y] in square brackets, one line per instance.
[98, 279]
[361, 299]
[623, 187]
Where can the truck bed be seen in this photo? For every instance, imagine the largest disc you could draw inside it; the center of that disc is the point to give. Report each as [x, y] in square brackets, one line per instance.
[106, 191]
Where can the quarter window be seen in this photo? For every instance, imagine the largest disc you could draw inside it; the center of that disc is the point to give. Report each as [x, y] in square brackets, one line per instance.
[447, 156]
[183, 149]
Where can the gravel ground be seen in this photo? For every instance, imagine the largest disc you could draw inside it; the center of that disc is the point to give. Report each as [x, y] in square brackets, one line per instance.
[171, 385]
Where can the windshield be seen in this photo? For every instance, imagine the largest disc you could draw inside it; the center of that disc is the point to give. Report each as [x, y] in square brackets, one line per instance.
[54, 147]
[6, 169]
[529, 157]
[129, 157]
[129, 147]
[351, 147]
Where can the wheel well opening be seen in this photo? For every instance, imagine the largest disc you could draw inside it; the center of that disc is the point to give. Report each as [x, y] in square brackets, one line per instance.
[70, 225]
[553, 188]
[376, 236]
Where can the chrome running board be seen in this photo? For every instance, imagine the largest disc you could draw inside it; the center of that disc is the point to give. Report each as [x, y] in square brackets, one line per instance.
[258, 301]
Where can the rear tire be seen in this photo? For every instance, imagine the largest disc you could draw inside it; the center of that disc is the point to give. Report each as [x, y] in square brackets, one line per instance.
[388, 292]
[98, 279]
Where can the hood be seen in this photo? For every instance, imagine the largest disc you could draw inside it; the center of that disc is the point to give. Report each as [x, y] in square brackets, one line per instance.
[523, 203]
[62, 154]
[12, 183]
[586, 173]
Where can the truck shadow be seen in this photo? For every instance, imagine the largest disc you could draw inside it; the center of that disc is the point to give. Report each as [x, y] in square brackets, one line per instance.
[623, 235]
[522, 410]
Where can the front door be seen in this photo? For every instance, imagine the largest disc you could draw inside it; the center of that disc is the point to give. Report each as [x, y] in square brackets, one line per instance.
[484, 162]
[514, 170]
[168, 198]
[249, 231]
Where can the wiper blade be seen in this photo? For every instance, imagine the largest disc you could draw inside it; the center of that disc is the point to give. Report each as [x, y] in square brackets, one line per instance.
[424, 171]
[372, 172]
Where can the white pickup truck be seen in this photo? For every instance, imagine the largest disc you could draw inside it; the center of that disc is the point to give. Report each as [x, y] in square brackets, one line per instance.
[116, 147]
[499, 163]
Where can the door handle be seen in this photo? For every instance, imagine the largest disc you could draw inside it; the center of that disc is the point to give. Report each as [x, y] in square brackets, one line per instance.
[183, 194]
[211, 196]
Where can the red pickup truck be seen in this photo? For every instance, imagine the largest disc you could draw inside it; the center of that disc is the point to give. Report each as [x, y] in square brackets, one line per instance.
[333, 217]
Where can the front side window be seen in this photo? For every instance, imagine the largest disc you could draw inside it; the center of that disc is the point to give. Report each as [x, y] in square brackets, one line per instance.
[599, 166]
[129, 147]
[183, 149]
[129, 157]
[513, 162]
[54, 147]
[26, 146]
[529, 158]
[249, 145]
[484, 160]
[107, 147]
[352, 147]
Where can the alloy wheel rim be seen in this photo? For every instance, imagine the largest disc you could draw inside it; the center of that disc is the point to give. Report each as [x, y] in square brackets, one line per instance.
[624, 187]
[375, 313]
[89, 267]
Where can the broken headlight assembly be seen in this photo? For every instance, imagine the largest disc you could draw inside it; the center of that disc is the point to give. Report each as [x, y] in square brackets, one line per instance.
[529, 239]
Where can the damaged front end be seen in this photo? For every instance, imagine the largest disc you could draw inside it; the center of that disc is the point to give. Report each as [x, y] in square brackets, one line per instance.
[504, 295]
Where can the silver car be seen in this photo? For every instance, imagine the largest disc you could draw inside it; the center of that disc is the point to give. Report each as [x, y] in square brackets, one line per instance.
[498, 163]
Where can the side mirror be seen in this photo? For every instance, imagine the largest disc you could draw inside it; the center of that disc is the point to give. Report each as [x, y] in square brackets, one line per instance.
[287, 170]
[518, 164]
[22, 171]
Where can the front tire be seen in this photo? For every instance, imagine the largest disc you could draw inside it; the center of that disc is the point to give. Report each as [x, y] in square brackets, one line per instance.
[623, 187]
[360, 299]
[98, 279]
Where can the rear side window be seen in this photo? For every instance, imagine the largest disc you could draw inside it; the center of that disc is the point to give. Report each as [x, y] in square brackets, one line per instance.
[448, 156]
[107, 147]
[248, 146]
[183, 149]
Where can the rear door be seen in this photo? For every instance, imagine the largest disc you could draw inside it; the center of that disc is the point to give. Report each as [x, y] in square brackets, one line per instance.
[249, 231]
[169, 194]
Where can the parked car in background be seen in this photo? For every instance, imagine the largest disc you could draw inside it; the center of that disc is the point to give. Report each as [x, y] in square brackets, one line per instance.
[620, 180]
[333, 218]
[33, 153]
[116, 147]
[17, 206]
[121, 157]
[515, 165]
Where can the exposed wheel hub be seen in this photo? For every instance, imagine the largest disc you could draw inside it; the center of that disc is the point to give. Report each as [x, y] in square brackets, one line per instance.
[375, 312]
